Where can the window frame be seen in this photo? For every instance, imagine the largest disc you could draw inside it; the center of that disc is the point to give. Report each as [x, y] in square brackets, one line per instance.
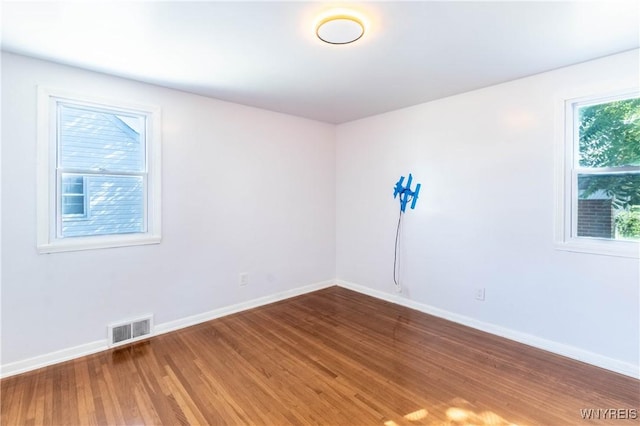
[49, 213]
[567, 171]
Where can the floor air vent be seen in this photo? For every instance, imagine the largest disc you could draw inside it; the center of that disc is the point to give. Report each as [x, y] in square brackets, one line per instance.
[130, 331]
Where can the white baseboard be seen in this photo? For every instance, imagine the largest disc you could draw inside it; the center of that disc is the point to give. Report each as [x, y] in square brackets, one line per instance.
[592, 358]
[67, 354]
[51, 358]
[239, 307]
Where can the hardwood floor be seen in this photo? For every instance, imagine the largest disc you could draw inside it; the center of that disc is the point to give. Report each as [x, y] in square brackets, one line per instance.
[331, 357]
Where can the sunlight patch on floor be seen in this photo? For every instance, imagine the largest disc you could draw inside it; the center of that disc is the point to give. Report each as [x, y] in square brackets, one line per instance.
[416, 415]
[458, 412]
[464, 416]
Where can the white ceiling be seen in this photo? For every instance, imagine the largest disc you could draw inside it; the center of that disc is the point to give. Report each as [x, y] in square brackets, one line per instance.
[265, 54]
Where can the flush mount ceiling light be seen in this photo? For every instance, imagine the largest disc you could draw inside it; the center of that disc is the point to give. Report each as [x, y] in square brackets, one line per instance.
[340, 28]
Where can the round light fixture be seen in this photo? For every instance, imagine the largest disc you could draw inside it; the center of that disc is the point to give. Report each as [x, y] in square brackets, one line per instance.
[340, 29]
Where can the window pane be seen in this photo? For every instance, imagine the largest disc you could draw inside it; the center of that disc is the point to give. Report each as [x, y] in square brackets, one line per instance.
[72, 184]
[72, 206]
[98, 140]
[604, 203]
[115, 206]
[609, 134]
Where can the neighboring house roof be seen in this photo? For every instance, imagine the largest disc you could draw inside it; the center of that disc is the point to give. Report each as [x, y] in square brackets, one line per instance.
[122, 125]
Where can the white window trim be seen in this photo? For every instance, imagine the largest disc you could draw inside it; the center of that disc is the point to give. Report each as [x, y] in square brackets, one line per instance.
[566, 212]
[47, 240]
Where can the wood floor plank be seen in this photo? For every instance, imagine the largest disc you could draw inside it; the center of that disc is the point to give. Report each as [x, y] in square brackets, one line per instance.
[332, 357]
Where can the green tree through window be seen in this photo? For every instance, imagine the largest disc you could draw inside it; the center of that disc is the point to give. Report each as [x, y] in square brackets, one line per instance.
[609, 159]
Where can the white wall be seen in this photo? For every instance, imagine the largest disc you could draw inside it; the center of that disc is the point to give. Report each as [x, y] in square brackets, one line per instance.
[244, 190]
[485, 217]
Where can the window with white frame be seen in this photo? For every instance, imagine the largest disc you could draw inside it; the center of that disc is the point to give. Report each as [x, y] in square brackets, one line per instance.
[601, 191]
[73, 197]
[99, 173]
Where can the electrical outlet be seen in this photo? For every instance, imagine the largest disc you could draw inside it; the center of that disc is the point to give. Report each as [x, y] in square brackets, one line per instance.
[243, 279]
[480, 294]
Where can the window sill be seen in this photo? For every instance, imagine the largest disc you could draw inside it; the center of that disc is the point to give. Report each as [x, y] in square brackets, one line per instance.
[101, 242]
[628, 249]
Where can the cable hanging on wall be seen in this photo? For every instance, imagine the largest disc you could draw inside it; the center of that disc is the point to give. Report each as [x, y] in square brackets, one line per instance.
[405, 196]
